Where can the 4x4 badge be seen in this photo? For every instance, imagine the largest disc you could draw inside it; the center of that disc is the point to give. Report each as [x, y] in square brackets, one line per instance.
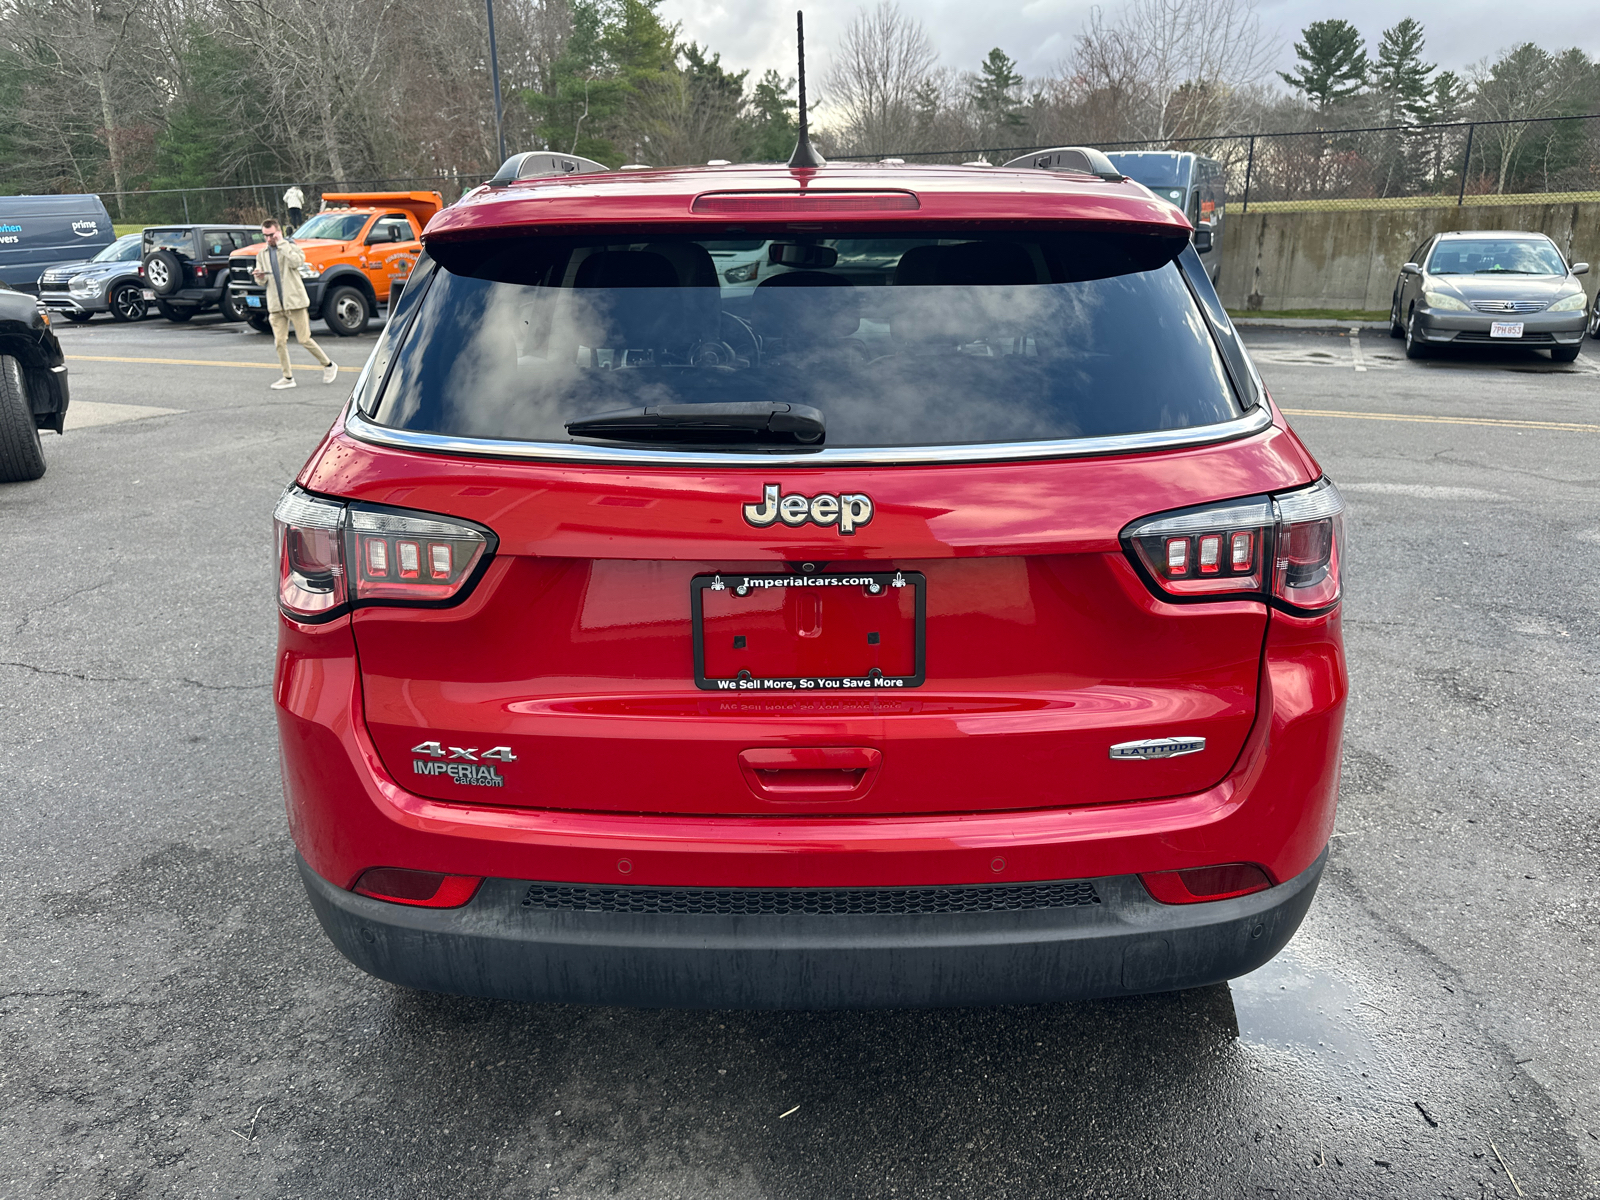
[848, 511]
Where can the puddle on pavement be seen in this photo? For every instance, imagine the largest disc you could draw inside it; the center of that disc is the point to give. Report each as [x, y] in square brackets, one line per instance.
[1291, 1004]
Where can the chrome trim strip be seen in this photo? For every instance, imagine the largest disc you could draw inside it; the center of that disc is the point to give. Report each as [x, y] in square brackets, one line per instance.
[1254, 421]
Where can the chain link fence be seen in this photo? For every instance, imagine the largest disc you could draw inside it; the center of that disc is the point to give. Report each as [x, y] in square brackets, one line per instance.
[1466, 163]
[1538, 160]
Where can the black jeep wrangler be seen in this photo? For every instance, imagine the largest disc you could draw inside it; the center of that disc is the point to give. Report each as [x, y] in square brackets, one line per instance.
[185, 267]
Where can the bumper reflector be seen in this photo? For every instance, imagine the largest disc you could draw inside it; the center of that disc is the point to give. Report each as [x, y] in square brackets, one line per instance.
[425, 889]
[1199, 884]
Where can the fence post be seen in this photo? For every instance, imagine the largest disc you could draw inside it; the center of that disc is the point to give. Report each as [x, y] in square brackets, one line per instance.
[1466, 161]
[186, 220]
[1249, 166]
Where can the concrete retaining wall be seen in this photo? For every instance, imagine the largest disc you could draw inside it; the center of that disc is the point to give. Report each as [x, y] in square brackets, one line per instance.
[1349, 259]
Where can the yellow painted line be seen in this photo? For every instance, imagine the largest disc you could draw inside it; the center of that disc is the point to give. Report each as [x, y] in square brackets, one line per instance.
[1564, 426]
[187, 362]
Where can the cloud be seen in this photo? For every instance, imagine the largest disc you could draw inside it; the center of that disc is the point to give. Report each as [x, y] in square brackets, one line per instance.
[759, 33]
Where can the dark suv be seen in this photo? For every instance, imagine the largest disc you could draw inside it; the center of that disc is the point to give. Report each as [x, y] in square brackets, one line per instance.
[33, 385]
[185, 268]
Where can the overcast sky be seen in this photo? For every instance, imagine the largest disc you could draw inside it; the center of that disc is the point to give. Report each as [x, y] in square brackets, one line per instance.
[1038, 33]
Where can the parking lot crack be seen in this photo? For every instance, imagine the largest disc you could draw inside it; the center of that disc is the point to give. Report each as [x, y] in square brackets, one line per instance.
[84, 677]
[78, 675]
[33, 612]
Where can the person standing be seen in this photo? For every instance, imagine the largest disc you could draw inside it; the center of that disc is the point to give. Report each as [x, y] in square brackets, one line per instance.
[295, 201]
[277, 269]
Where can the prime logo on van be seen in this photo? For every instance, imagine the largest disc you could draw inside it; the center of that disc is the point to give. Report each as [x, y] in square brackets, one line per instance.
[86, 228]
[848, 510]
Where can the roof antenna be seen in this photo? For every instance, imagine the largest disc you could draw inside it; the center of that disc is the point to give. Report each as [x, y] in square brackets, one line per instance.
[805, 155]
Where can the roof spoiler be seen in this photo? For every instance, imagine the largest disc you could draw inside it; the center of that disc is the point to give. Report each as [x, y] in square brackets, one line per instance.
[542, 164]
[1084, 160]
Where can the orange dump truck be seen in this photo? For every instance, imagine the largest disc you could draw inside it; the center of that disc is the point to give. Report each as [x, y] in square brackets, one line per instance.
[358, 248]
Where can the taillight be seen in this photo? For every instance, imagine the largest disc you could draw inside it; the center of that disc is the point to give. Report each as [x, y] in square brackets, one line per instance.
[311, 584]
[425, 889]
[1284, 547]
[407, 558]
[1310, 538]
[333, 555]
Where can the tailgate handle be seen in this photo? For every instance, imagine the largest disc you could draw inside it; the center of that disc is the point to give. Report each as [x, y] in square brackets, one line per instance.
[810, 772]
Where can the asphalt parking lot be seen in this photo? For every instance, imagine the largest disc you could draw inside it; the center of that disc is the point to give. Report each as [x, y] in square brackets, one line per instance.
[173, 1022]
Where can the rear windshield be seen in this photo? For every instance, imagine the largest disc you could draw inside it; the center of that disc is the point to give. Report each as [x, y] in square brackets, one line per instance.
[179, 240]
[912, 341]
[1155, 173]
[1498, 256]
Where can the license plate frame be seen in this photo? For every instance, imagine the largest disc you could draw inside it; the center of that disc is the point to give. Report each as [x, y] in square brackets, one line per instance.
[1506, 329]
[890, 584]
[148, 294]
[253, 301]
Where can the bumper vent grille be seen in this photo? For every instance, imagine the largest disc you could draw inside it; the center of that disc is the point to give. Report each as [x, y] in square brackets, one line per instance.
[1509, 306]
[733, 902]
[1527, 339]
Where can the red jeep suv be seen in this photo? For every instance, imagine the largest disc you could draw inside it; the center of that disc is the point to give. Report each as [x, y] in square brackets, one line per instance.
[948, 618]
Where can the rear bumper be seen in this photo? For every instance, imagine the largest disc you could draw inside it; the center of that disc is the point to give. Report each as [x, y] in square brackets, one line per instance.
[188, 297]
[499, 947]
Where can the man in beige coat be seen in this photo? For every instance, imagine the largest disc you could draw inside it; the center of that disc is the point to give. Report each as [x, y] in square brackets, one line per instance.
[278, 266]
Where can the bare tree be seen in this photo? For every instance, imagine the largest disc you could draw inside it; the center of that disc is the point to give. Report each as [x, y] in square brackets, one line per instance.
[1526, 82]
[1171, 64]
[878, 82]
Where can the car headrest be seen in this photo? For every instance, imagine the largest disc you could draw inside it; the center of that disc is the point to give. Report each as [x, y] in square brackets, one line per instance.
[804, 307]
[970, 264]
[623, 308]
[625, 269]
[690, 260]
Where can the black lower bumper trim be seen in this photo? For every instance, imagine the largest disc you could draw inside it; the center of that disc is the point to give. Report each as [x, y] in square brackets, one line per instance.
[498, 947]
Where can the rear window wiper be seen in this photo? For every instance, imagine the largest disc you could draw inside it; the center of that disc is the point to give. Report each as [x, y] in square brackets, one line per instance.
[759, 423]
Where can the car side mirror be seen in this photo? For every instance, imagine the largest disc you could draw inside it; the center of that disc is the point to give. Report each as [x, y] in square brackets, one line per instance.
[378, 236]
[1202, 240]
[1411, 269]
[1580, 268]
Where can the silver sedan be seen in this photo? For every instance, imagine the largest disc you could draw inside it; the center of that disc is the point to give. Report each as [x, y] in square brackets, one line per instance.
[1490, 288]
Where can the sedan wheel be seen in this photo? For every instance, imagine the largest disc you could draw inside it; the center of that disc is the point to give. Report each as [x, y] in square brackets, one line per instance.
[128, 303]
[1396, 329]
[77, 318]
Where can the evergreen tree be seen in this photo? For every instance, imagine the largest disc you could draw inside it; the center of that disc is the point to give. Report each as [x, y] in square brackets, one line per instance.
[1447, 99]
[1400, 77]
[584, 97]
[772, 123]
[1333, 63]
[994, 91]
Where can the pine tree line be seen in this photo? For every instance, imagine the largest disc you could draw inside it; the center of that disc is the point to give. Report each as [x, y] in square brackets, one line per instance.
[128, 95]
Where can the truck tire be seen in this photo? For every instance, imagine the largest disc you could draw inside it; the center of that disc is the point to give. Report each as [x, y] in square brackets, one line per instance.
[173, 313]
[346, 311]
[127, 302]
[163, 272]
[77, 318]
[21, 456]
[260, 322]
[231, 306]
